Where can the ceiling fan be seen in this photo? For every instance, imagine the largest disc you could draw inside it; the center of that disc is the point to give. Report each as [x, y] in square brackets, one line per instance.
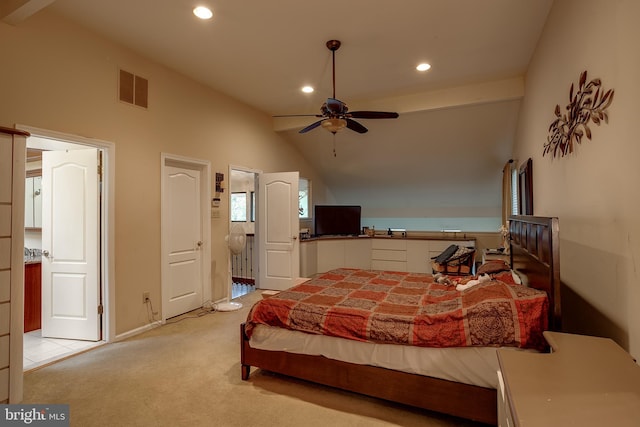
[335, 113]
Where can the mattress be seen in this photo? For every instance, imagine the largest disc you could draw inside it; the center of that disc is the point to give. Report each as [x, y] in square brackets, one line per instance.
[470, 365]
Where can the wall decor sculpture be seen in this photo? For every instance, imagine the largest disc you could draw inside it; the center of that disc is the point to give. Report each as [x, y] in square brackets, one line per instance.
[588, 104]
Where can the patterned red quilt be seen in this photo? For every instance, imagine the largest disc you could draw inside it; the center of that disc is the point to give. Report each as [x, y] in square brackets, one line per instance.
[409, 309]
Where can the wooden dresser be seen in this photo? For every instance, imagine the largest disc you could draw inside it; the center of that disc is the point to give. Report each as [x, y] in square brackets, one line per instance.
[585, 381]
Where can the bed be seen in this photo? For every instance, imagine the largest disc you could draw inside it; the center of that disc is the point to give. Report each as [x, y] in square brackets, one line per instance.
[534, 257]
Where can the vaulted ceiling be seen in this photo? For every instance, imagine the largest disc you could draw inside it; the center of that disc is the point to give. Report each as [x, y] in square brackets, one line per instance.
[457, 120]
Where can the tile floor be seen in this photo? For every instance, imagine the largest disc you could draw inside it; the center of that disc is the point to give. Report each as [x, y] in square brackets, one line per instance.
[38, 351]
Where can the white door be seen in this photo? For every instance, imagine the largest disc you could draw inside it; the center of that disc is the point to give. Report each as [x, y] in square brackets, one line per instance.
[278, 230]
[183, 242]
[70, 245]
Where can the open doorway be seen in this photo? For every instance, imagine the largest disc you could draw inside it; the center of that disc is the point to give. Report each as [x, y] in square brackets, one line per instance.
[242, 216]
[66, 308]
[267, 206]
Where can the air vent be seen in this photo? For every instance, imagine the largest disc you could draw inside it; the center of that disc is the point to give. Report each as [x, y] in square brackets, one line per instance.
[134, 89]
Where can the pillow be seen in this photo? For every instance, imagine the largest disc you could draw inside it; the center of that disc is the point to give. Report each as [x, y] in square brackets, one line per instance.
[492, 267]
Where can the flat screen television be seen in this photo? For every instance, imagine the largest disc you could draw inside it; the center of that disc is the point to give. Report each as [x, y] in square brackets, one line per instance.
[336, 220]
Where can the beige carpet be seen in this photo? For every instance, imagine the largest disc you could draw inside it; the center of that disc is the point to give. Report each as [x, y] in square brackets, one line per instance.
[188, 373]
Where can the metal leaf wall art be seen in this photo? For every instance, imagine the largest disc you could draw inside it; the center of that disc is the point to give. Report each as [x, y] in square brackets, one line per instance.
[588, 104]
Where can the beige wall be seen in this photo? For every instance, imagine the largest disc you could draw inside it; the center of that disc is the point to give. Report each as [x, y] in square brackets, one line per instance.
[593, 191]
[54, 75]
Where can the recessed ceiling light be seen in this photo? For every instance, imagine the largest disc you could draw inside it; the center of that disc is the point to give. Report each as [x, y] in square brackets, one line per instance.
[203, 12]
[307, 89]
[423, 67]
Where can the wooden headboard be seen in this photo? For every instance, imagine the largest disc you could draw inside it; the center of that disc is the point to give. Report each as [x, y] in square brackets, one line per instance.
[535, 254]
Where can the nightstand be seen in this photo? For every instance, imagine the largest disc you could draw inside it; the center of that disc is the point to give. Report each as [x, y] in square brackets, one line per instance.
[586, 381]
[494, 254]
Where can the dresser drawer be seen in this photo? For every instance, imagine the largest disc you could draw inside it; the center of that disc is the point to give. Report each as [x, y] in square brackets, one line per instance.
[397, 245]
[388, 254]
[385, 265]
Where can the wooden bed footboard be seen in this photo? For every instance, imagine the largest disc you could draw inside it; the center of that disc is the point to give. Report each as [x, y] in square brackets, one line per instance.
[461, 400]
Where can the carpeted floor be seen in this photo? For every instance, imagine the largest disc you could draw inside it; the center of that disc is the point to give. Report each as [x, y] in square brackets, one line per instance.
[187, 373]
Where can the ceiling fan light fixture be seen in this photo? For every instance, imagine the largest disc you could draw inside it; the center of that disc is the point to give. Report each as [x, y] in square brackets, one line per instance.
[334, 125]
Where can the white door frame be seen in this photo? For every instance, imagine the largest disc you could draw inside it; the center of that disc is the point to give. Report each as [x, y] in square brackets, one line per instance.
[204, 166]
[107, 248]
[107, 222]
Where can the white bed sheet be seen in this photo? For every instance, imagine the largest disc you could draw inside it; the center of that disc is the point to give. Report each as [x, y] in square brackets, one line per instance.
[469, 365]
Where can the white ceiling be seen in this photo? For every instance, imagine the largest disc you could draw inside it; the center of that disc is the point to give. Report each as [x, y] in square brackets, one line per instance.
[462, 112]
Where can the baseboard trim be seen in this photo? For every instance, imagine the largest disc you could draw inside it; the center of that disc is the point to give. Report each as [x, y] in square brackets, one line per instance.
[137, 331]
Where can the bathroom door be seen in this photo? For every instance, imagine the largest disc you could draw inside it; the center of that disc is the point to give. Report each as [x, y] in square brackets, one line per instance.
[70, 245]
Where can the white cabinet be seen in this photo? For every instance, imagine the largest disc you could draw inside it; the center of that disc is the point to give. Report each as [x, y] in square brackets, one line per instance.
[418, 256]
[330, 254]
[308, 258]
[393, 254]
[387, 254]
[318, 256]
[33, 202]
[585, 381]
[411, 255]
[12, 173]
[357, 253]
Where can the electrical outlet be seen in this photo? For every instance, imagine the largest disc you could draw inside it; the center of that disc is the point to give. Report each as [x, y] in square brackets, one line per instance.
[145, 297]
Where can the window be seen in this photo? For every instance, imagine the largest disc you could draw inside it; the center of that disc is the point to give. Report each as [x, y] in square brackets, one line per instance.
[514, 191]
[239, 207]
[304, 198]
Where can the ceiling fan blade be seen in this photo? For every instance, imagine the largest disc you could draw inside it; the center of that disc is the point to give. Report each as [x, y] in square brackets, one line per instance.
[373, 115]
[297, 115]
[353, 125]
[311, 127]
